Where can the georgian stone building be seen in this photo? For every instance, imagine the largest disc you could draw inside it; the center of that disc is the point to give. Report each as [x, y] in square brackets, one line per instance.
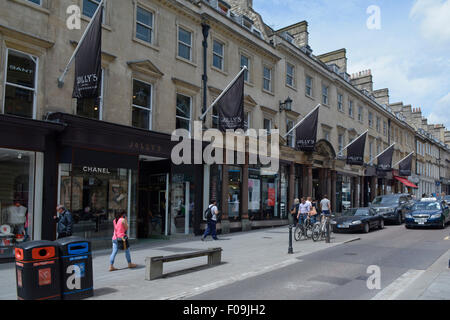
[101, 157]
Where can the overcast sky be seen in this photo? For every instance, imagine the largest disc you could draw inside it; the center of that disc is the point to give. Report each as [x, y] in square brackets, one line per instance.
[410, 54]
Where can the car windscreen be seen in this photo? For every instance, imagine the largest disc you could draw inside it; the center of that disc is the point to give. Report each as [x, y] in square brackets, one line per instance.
[356, 212]
[427, 206]
[385, 201]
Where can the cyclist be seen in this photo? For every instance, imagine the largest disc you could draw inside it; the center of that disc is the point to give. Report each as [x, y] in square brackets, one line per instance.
[304, 209]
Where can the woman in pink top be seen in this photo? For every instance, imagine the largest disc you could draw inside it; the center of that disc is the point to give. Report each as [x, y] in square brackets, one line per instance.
[120, 230]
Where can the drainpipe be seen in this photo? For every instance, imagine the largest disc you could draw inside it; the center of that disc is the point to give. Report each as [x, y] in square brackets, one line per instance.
[205, 31]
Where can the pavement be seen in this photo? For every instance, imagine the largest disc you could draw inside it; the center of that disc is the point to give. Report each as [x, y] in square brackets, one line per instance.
[246, 255]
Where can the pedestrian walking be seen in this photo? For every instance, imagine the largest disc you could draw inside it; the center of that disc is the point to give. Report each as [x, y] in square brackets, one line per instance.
[212, 214]
[304, 209]
[294, 211]
[64, 222]
[120, 232]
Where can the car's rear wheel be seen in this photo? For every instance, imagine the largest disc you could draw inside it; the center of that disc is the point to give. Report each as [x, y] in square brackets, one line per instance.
[366, 228]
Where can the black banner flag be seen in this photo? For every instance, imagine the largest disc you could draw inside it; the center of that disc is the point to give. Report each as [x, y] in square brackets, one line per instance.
[88, 61]
[231, 106]
[385, 160]
[306, 133]
[405, 167]
[355, 152]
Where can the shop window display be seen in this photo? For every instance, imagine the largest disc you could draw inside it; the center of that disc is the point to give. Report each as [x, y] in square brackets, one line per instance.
[94, 195]
[17, 171]
[234, 192]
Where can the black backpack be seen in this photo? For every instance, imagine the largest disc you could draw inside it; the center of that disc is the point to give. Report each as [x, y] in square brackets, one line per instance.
[208, 214]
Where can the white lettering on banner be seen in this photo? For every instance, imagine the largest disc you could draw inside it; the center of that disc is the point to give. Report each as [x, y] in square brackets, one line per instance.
[74, 281]
[87, 79]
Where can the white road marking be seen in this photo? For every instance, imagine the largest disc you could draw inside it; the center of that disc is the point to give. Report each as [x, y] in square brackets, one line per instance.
[447, 238]
[243, 276]
[398, 286]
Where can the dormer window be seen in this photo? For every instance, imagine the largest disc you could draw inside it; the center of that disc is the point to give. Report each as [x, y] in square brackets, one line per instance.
[247, 22]
[223, 7]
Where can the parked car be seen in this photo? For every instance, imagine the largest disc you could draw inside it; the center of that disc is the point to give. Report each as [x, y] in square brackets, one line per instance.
[447, 199]
[357, 219]
[434, 213]
[393, 207]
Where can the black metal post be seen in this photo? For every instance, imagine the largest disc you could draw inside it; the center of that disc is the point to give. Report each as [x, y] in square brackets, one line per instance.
[205, 31]
[328, 231]
[290, 250]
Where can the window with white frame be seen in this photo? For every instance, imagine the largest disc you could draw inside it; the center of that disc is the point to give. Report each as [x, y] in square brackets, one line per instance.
[350, 108]
[142, 105]
[378, 148]
[184, 112]
[371, 150]
[360, 114]
[309, 86]
[325, 94]
[20, 87]
[144, 25]
[385, 130]
[290, 139]
[267, 81]
[215, 117]
[218, 54]
[370, 119]
[341, 142]
[267, 125]
[340, 102]
[184, 44]
[247, 120]
[290, 74]
[89, 7]
[326, 135]
[92, 107]
[245, 61]
[378, 125]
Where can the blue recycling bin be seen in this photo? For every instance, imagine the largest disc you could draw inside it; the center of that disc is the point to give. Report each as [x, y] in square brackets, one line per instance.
[76, 268]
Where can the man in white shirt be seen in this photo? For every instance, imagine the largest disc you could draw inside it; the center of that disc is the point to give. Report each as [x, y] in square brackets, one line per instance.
[304, 209]
[211, 229]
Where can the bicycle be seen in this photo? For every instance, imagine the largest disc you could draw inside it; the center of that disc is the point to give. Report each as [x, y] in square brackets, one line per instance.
[304, 230]
[319, 231]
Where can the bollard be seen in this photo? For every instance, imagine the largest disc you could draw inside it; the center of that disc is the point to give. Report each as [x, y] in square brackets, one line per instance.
[328, 231]
[290, 250]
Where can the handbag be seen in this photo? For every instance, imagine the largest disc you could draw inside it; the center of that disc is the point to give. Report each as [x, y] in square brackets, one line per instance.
[122, 243]
[313, 211]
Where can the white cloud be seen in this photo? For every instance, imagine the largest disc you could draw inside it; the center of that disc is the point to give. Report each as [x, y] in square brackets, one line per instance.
[439, 113]
[434, 16]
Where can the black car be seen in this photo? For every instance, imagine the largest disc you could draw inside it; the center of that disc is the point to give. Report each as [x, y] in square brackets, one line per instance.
[357, 219]
[428, 214]
[393, 207]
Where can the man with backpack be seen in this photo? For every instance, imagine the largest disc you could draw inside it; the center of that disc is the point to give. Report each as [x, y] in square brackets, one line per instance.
[211, 216]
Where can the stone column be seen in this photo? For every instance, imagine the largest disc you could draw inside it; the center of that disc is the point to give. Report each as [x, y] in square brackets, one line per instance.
[225, 223]
[373, 190]
[304, 182]
[328, 184]
[310, 181]
[355, 192]
[246, 225]
[333, 191]
[291, 186]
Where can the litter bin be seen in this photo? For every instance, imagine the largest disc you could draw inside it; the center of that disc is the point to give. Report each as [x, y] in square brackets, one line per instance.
[76, 268]
[37, 271]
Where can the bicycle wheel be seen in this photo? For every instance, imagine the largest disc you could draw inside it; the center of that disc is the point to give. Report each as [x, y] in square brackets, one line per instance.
[309, 231]
[316, 233]
[298, 232]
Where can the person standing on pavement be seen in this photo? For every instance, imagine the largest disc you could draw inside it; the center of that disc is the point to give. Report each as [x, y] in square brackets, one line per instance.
[294, 211]
[325, 206]
[120, 230]
[304, 209]
[212, 221]
[64, 222]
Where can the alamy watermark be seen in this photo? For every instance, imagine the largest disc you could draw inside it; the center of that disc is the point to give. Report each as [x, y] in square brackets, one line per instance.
[226, 148]
[374, 280]
[73, 22]
[374, 20]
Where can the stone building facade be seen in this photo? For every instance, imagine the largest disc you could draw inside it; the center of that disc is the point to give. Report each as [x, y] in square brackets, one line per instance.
[153, 83]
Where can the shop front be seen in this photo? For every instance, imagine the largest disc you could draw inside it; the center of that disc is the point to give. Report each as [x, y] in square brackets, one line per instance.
[24, 149]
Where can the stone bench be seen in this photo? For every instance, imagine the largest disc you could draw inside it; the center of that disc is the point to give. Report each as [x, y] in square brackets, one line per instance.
[154, 265]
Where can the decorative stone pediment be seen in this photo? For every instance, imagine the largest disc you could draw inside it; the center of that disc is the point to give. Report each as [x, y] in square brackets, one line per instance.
[145, 67]
[325, 149]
